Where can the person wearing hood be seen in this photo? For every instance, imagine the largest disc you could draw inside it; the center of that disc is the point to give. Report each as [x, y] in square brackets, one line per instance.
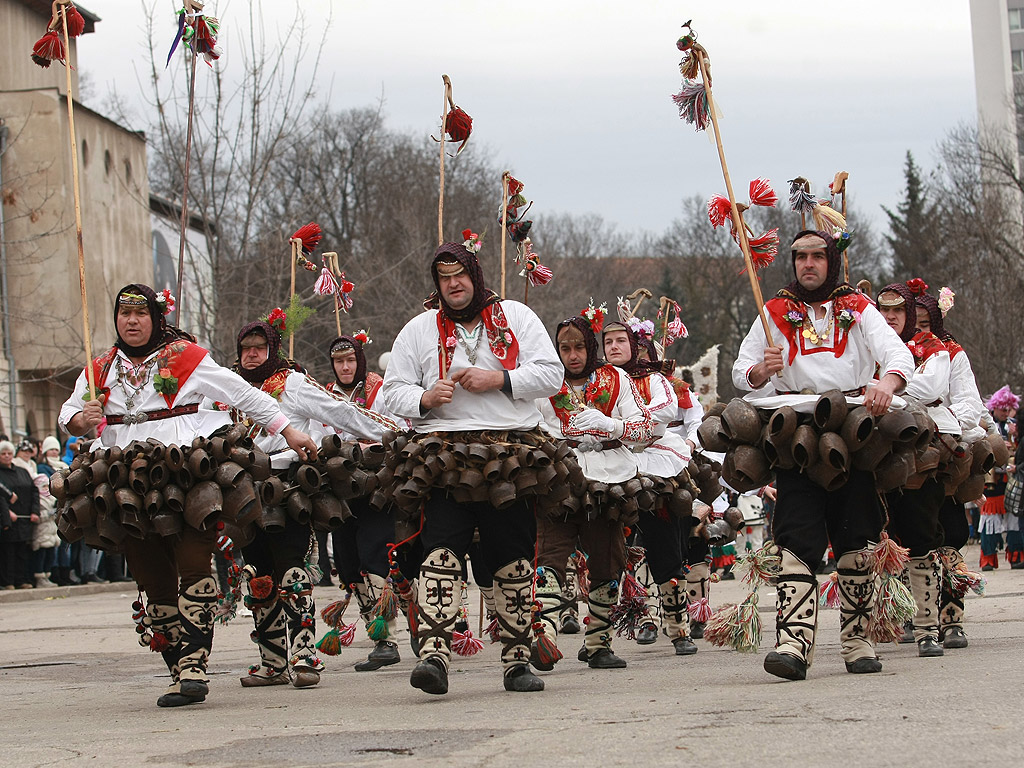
[280, 585]
[826, 336]
[149, 386]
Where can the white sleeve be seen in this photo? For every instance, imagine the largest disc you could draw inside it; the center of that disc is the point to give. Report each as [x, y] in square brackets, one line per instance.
[930, 380]
[637, 422]
[965, 399]
[751, 353]
[305, 397]
[73, 405]
[539, 371]
[664, 404]
[403, 380]
[691, 418]
[226, 386]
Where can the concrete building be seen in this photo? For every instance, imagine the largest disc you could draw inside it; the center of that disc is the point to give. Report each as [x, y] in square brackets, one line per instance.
[997, 36]
[42, 317]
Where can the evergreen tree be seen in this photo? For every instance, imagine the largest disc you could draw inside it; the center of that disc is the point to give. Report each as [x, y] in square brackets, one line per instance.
[910, 235]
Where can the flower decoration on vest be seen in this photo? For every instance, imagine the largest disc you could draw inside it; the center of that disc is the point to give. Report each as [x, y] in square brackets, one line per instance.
[795, 314]
[198, 32]
[917, 286]
[763, 248]
[472, 241]
[946, 299]
[595, 315]
[165, 300]
[362, 336]
[846, 311]
[50, 47]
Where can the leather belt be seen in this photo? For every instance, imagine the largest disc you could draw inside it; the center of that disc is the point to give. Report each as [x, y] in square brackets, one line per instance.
[603, 445]
[848, 392]
[674, 424]
[144, 416]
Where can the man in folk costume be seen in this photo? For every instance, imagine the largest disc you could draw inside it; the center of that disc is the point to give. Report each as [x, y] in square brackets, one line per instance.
[472, 363]
[1002, 406]
[149, 387]
[914, 511]
[280, 585]
[626, 346]
[599, 413]
[964, 400]
[361, 543]
[827, 336]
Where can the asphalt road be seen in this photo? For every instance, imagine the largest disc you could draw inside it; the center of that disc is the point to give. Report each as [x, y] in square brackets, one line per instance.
[78, 690]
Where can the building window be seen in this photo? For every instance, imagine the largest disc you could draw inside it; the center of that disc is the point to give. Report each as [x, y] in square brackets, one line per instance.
[107, 162]
[85, 153]
[1017, 61]
[128, 172]
[1016, 16]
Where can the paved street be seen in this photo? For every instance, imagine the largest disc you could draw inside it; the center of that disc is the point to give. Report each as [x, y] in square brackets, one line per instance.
[78, 690]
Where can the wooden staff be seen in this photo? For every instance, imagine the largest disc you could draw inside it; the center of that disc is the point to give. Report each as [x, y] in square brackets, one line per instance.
[665, 306]
[191, 7]
[78, 204]
[504, 224]
[296, 244]
[839, 188]
[641, 294]
[699, 52]
[446, 101]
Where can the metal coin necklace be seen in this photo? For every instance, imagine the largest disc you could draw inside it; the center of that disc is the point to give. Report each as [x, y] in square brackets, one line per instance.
[469, 340]
[135, 380]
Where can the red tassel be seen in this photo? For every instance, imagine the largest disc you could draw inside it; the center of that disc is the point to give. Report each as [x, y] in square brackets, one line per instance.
[159, 643]
[333, 613]
[493, 631]
[261, 587]
[719, 210]
[48, 48]
[761, 193]
[76, 24]
[458, 125]
[547, 651]
[764, 249]
[890, 557]
[464, 644]
[310, 235]
[700, 610]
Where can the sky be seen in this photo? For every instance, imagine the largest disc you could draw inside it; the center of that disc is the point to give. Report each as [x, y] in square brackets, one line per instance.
[573, 96]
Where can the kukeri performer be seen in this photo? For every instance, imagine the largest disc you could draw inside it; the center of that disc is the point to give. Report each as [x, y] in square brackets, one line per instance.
[361, 543]
[964, 400]
[665, 457]
[827, 337]
[600, 414]
[471, 367]
[280, 586]
[149, 386]
[914, 512]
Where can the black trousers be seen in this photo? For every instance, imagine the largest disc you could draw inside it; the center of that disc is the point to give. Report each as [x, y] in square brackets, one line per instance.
[601, 539]
[271, 554]
[953, 519]
[662, 537]
[361, 543]
[914, 517]
[698, 550]
[162, 566]
[807, 517]
[505, 535]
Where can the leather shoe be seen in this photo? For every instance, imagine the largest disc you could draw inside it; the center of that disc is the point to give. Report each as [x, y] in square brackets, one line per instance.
[177, 700]
[684, 646]
[954, 638]
[908, 633]
[520, 679]
[384, 654]
[570, 625]
[929, 646]
[603, 658]
[864, 666]
[647, 635]
[535, 659]
[786, 665]
[259, 681]
[430, 676]
[697, 630]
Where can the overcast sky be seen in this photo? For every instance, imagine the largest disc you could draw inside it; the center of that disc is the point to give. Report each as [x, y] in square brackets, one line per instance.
[574, 95]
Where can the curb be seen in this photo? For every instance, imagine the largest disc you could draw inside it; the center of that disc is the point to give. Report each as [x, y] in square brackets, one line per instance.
[78, 590]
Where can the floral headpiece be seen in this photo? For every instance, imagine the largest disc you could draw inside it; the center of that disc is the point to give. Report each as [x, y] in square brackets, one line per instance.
[133, 299]
[473, 241]
[946, 299]
[1003, 398]
[362, 336]
[643, 329]
[843, 237]
[595, 315]
[917, 286]
[165, 300]
[277, 319]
